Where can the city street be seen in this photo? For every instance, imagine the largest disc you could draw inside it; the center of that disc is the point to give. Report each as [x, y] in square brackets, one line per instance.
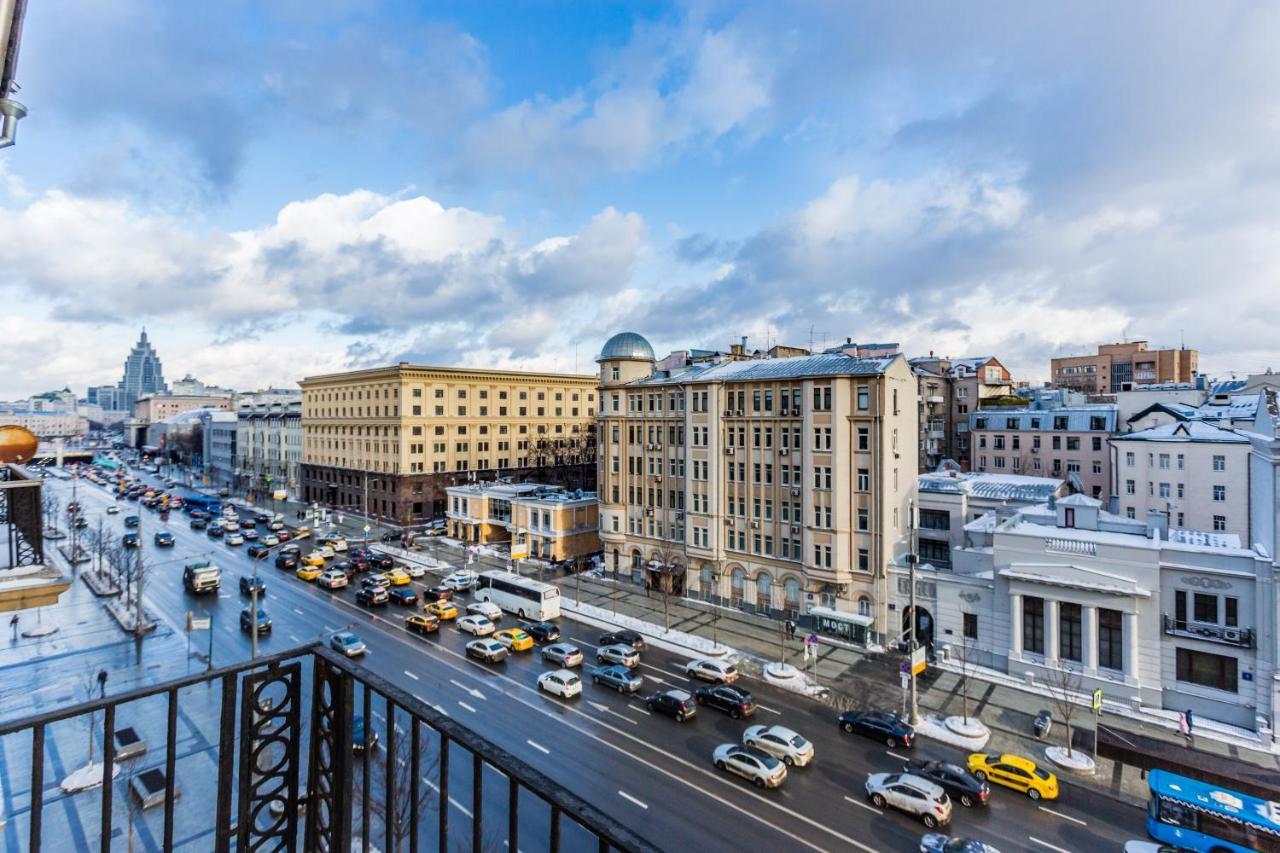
[654, 774]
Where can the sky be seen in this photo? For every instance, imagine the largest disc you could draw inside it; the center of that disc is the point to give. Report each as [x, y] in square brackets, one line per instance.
[282, 188]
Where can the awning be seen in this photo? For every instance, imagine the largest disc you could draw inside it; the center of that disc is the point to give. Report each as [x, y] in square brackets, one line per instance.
[841, 616]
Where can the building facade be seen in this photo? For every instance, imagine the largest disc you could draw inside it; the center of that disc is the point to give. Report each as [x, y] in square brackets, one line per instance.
[950, 390]
[219, 449]
[47, 425]
[550, 523]
[269, 447]
[778, 485]
[399, 436]
[1120, 367]
[143, 374]
[1065, 442]
[150, 408]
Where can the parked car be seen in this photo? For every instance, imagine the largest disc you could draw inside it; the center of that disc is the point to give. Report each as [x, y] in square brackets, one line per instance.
[347, 643]
[707, 669]
[331, 579]
[1016, 772]
[618, 677]
[624, 638]
[543, 632]
[371, 596]
[477, 625]
[563, 654]
[677, 704]
[422, 623]
[402, 595]
[247, 585]
[619, 654]
[960, 785]
[487, 609]
[560, 682]
[734, 701]
[934, 842]
[163, 539]
[760, 768]
[780, 742]
[247, 621]
[910, 794]
[884, 726]
[486, 650]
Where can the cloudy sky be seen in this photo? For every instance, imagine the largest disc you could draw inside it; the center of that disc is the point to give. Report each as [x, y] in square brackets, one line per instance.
[282, 188]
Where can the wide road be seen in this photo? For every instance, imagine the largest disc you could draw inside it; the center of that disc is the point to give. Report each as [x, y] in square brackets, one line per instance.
[651, 772]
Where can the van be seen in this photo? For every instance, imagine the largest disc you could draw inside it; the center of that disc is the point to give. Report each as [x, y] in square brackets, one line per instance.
[201, 577]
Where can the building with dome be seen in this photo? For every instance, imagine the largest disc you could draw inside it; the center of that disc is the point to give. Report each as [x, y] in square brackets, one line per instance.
[771, 482]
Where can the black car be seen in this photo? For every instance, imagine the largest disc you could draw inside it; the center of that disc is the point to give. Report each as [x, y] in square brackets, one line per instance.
[215, 531]
[734, 701]
[382, 563]
[678, 704]
[257, 550]
[249, 534]
[198, 524]
[543, 632]
[371, 596]
[888, 727]
[262, 518]
[247, 621]
[131, 521]
[347, 567]
[391, 536]
[164, 539]
[959, 783]
[437, 593]
[130, 540]
[80, 523]
[286, 561]
[623, 638]
[403, 595]
[247, 585]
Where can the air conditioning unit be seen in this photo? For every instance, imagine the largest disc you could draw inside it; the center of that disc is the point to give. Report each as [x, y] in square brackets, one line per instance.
[1231, 634]
[728, 451]
[728, 520]
[648, 510]
[784, 451]
[679, 514]
[728, 414]
[795, 493]
[795, 528]
[756, 525]
[738, 413]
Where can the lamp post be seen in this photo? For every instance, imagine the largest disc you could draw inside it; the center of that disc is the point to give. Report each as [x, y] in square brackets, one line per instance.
[912, 559]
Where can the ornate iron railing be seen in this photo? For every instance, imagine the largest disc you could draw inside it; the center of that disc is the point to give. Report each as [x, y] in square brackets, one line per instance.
[1242, 637]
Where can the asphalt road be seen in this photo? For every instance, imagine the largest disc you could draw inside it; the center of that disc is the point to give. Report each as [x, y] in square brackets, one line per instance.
[652, 773]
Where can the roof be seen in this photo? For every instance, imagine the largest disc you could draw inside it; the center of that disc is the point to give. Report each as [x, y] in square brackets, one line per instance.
[754, 370]
[1182, 411]
[1016, 487]
[1079, 418]
[1204, 539]
[1231, 386]
[1237, 406]
[1185, 431]
[1080, 500]
[626, 345]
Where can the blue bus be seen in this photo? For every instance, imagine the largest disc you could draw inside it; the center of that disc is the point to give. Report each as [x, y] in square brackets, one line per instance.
[1199, 816]
[208, 504]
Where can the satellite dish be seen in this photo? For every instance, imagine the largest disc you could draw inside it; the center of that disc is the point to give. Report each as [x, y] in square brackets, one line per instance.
[17, 444]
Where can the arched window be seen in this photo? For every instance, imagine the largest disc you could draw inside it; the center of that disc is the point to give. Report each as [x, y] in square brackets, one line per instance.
[637, 567]
[764, 589]
[791, 594]
[864, 606]
[737, 585]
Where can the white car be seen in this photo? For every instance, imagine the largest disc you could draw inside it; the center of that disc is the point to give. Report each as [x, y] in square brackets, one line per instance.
[414, 570]
[912, 794]
[780, 742]
[231, 526]
[234, 539]
[560, 682]
[707, 669]
[113, 509]
[332, 579]
[270, 541]
[487, 609]
[324, 551]
[563, 654]
[477, 625]
[460, 580]
[762, 769]
[337, 543]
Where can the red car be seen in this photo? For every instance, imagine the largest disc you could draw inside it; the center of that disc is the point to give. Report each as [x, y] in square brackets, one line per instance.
[283, 535]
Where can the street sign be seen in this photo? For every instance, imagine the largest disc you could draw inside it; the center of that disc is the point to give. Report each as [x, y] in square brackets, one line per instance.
[367, 528]
[280, 495]
[519, 552]
[906, 680]
[197, 623]
[1097, 699]
[918, 661]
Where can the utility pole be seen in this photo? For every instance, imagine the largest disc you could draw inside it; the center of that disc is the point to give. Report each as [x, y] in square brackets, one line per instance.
[137, 597]
[253, 611]
[912, 559]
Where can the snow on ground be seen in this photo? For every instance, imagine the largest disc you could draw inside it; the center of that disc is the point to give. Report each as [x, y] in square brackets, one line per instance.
[89, 776]
[673, 641]
[935, 728]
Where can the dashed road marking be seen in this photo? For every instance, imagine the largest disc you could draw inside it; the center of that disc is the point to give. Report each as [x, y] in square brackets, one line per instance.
[296, 610]
[411, 675]
[632, 799]
[457, 805]
[1047, 844]
[1064, 816]
[294, 638]
[866, 806]
[895, 755]
[539, 747]
[639, 709]
[770, 710]
[466, 706]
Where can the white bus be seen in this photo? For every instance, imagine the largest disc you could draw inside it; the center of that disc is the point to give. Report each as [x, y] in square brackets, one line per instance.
[528, 599]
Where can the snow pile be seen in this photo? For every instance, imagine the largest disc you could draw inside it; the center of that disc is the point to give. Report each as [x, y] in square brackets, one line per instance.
[89, 776]
[1076, 762]
[673, 641]
[935, 728]
[787, 677]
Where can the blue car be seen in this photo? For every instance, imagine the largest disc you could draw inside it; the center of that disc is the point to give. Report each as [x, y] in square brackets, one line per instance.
[131, 521]
[618, 677]
[164, 539]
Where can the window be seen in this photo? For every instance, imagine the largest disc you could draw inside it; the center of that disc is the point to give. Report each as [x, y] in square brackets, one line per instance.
[1129, 487]
[1219, 493]
[1164, 490]
[1164, 461]
[864, 519]
[1070, 632]
[1110, 639]
[1220, 523]
[1033, 624]
[1205, 608]
[970, 626]
[864, 438]
[1128, 460]
[1219, 463]
[864, 560]
[864, 480]
[1207, 670]
[1231, 612]
[863, 398]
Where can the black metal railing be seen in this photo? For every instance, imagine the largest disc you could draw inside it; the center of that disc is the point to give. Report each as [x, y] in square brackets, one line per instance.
[310, 753]
[1242, 637]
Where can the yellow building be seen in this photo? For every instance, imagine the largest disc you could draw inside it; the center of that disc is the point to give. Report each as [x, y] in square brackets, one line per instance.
[540, 521]
[395, 438]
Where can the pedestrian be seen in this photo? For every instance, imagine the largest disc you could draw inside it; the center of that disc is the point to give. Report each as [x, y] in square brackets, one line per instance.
[1184, 727]
[13, 625]
[791, 630]
[1191, 727]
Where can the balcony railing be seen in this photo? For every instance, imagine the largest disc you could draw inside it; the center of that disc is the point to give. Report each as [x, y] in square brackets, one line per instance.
[300, 751]
[1242, 637]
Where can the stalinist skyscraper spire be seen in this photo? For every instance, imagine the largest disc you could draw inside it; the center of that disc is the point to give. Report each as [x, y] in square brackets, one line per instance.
[142, 372]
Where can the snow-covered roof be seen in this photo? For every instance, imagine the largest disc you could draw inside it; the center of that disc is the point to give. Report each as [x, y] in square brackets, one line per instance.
[1237, 406]
[1182, 431]
[1204, 539]
[1016, 487]
[797, 367]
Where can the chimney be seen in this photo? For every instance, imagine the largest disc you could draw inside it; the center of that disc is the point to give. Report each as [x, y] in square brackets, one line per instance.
[1157, 525]
[744, 343]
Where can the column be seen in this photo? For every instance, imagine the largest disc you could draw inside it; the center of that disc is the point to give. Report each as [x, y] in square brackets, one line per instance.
[1090, 640]
[1131, 647]
[1051, 632]
[1015, 625]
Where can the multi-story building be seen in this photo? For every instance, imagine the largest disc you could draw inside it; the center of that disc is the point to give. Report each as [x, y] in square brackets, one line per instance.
[1120, 367]
[109, 397]
[158, 407]
[47, 424]
[1048, 440]
[219, 450]
[550, 522]
[950, 390]
[269, 446]
[399, 436]
[779, 485]
[143, 374]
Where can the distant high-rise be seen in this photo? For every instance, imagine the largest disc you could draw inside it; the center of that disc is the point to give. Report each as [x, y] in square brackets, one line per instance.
[142, 373]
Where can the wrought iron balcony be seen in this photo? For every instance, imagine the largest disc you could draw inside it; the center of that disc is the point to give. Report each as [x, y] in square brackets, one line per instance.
[1242, 637]
[300, 751]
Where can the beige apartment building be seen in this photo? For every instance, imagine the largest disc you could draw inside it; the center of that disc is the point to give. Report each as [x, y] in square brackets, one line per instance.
[779, 485]
[153, 408]
[395, 438]
[550, 523]
[950, 390]
[1121, 367]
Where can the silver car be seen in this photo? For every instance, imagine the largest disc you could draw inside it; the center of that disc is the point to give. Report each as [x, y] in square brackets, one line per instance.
[911, 794]
[780, 742]
[563, 654]
[762, 769]
[477, 625]
[716, 671]
[620, 654]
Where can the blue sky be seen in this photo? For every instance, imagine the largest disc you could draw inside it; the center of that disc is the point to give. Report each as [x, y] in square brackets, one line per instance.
[282, 188]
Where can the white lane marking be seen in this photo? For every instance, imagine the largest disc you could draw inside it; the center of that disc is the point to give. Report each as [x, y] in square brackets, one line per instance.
[224, 595]
[539, 747]
[895, 755]
[1064, 816]
[866, 806]
[411, 675]
[469, 690]
[605, 709]
[296, 610]
[466, 706]
[770, 710]
[379, 716]
[457, 805]
[639, 709]
[330, 630]
[584, 643]
[1047, 844]
[294, 638]
[630, 798]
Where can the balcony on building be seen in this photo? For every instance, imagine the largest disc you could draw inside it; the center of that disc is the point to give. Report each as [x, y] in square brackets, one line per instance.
[1214, 633]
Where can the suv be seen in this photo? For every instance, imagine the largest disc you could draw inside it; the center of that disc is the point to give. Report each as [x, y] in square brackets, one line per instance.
[718, 671]
[959, 783]
[247, 584]
[674, 703]
[286, 561]
[911, 794]
[734, 701]
[371, 596]
[623, 638]
[890, 728]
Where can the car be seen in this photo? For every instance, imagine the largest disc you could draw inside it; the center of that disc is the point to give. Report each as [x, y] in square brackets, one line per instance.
[224, 493]
[379, 580]
[313, 559]
[911, 794]
[347, 643]
[618, 677]
[487, 609]
[361, 554]
[562, 653]
[130, 540]
[415, 570]
[215, 531]
[73, 507]
[677, 704]
[1016, 772]
[371, 596]
[477, 625]
[934, 842]
[459, 580]
[734, 701]
[257, 550]
[113, 509]
[163, 539]
[247, 621]
[301, 532]
[880, 725]
[715, 671]
[623, 638]
[422, 623]
[961, 785]
[391, 536]
[403, 595]
[309, 573]
[80, 523]
[331, 579]
[381, 562]
[560, 682]
[261, 518]
[198, 524]
[358, 564]
[132, 521]
[760, 768]
[543, 632]
[231, 526]
[780, 742]
[441, 609]
[247, 585]
[276, 526]
[286, 561]
[270, 540]
[440, 592]
[514, 639]
[624, 655]
[337, 543]
[397, 577]
[283, 535]
[234, 539]
[324, 551]
[249, 534]
[487, 650]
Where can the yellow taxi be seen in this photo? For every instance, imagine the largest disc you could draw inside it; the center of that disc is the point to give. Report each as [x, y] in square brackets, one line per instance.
[308, 572]
[313, 559]
[442, 609]
[422, 623]
[398, 577]
[514, 639]
[1016, 772]
[302, 533]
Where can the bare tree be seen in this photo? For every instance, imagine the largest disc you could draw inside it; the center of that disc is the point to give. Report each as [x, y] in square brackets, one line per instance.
[89, 685]
[52, 507]
[399, 811]
[666, 580]
[1064, 685]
